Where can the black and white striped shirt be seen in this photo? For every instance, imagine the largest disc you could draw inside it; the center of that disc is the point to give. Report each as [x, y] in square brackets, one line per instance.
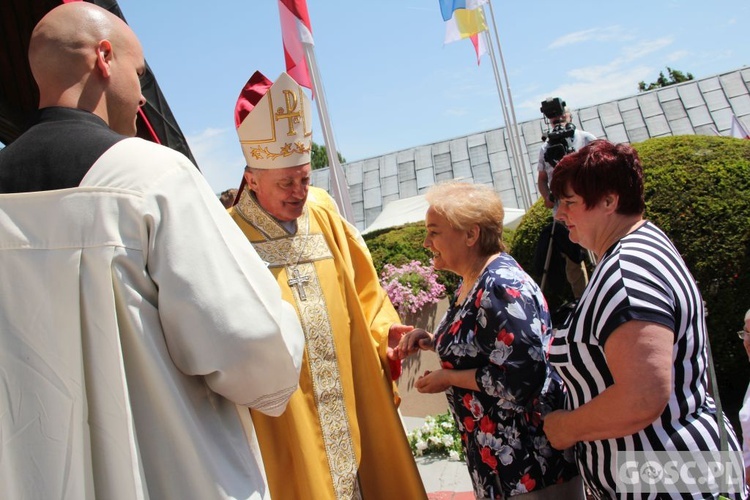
[641, 277]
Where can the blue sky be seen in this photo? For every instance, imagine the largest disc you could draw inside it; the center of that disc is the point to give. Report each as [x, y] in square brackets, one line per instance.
[391, 84]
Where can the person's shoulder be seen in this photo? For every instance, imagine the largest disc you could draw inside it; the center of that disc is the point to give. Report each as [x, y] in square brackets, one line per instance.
[138, 164]
[587, 136]
[319, 198]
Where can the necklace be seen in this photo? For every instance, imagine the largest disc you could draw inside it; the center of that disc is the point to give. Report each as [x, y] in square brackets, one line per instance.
[274, 230]
[295, 279]
[468, 284]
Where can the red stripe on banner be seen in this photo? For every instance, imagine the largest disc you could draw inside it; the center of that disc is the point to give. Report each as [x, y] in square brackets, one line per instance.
[293, 30]
[299, 9]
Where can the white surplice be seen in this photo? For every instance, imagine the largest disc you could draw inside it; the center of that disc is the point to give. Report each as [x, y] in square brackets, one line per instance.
[134, 314]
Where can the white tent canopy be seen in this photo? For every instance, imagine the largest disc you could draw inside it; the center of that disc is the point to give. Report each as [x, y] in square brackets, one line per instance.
[407, 210]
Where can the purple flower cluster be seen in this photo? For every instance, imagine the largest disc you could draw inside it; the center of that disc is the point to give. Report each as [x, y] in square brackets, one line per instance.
[411, 286]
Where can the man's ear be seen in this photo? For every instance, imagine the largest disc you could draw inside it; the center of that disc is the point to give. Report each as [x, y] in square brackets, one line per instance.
[250, 179]
[104, 57]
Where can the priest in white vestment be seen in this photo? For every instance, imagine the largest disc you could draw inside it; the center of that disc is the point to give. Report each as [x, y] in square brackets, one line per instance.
[135, 317]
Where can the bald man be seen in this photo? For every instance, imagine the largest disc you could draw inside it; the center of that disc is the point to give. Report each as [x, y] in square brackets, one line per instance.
[126, 343]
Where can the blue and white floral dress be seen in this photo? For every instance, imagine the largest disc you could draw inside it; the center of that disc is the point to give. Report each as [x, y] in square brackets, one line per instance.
[503, 330]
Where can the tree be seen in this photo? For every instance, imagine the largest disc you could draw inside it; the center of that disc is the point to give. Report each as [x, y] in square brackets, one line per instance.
[675, 76]
[320, 156]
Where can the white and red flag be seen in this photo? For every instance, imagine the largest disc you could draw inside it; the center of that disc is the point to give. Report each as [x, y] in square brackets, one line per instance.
[296, 33]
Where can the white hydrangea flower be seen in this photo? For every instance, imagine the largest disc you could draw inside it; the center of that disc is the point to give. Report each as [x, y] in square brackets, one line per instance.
[453, 455]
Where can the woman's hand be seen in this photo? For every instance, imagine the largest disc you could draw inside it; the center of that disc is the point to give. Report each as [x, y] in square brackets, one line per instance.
[396, 334]
[555, 429]
[412, 342]
[432, 382]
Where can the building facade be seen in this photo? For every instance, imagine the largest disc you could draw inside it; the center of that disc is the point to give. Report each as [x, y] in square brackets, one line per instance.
[703, 107]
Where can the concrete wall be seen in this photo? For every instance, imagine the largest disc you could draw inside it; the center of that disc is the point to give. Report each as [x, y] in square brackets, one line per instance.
[701, 107]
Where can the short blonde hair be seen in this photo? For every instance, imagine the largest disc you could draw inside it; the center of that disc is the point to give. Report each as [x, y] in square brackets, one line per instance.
[463, 205]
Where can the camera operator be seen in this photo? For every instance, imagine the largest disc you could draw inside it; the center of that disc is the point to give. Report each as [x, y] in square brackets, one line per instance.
[562, 138]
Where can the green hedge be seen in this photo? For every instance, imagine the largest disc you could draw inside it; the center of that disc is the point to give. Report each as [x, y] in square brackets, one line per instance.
[698, 192]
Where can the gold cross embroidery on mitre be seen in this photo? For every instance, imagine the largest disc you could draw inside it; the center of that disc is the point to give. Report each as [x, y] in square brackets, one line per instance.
[290, 114]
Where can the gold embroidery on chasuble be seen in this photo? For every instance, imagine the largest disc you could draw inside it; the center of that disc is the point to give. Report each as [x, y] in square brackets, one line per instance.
[297, 254]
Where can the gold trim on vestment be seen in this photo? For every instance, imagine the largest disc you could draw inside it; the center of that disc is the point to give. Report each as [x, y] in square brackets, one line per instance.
[300, 252]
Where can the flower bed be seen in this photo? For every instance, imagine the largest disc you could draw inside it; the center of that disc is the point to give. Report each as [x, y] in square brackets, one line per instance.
[437, 436]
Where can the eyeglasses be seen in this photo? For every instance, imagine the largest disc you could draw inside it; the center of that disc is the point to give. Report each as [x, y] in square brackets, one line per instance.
[741, 334]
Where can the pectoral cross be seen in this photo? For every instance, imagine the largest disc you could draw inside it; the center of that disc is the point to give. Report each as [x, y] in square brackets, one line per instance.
[299, 282]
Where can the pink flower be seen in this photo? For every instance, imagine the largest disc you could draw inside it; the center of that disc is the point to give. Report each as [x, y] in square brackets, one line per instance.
[411, 286]
[513, 292]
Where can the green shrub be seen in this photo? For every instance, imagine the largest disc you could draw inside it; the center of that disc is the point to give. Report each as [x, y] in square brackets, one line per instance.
[524, 248]
[698, 192]
[398, 246]
[401, 245]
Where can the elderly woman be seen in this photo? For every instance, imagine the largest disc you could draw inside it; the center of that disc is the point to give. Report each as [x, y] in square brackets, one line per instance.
[491, 346]
[633, 353]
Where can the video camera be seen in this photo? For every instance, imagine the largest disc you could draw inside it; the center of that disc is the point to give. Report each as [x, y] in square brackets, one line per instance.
[560, 137]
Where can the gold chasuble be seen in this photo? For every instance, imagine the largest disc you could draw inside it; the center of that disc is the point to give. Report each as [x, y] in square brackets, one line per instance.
[340, 436]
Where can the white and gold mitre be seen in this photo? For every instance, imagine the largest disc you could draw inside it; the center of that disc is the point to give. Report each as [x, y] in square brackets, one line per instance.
[273, 122]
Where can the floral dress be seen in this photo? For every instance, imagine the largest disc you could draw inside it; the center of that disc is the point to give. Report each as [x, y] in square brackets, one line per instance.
[503, 329]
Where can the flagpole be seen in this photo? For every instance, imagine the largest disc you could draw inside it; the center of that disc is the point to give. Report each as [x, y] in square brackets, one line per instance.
[511, 125]
[504, 108]
[339, 187]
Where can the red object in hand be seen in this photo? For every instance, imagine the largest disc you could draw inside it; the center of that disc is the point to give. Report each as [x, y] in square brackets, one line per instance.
[395, 365]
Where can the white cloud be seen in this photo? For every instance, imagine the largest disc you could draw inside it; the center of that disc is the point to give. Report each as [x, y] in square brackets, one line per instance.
[587, 85]
[612, 33]
[595, 85]
[644, 48]
[219, 156]
[677, 56]
[609, 86]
